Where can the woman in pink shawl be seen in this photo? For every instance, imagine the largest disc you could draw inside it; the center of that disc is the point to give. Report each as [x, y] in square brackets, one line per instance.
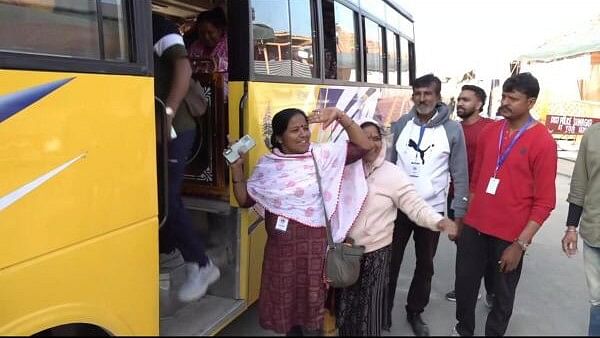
[283, 187]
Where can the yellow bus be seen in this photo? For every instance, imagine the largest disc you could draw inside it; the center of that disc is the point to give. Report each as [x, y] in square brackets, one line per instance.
[82, 151]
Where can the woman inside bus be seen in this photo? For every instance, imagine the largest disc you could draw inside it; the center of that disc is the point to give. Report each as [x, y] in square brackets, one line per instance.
[208, 51]
[359, 308]
[283, 188]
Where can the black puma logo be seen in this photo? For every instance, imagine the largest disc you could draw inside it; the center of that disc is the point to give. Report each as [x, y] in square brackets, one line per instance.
[414, 145]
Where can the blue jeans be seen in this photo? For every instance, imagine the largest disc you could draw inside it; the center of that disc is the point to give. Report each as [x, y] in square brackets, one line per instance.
[178, 230]
[591, 264]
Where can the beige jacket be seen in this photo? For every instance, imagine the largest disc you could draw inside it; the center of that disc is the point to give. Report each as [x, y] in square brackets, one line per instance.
[389, 189]
[585, 185]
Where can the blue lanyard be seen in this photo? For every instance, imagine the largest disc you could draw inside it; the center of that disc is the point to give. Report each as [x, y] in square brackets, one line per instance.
[502, 157]
[421, 133]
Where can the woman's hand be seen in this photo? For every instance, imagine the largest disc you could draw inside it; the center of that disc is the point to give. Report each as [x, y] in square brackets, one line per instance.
[240, 190]
[237, 166]
[325, 116]
[448, 226]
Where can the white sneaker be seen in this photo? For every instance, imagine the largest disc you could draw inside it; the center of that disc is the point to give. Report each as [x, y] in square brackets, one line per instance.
[197, 281]
[454, 332]
[171, 260]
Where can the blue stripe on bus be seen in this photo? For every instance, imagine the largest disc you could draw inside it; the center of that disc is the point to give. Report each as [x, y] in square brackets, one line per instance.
[13, 103]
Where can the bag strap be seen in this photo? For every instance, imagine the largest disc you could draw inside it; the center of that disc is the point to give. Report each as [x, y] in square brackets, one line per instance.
[327, 222]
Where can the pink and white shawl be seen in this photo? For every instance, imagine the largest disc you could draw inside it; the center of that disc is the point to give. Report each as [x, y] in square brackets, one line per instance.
[286, 185]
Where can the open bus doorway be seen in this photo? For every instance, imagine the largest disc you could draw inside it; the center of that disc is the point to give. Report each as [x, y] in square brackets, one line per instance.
[205, 195]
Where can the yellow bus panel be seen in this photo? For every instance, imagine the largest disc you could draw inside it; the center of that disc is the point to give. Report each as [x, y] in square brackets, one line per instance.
[85, 151]
[110, 281]
[78, 202]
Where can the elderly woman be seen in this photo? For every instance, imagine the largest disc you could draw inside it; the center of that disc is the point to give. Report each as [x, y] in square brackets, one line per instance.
[360, 307]
[283, 187]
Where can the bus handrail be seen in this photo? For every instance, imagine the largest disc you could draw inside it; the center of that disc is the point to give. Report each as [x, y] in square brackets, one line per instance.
[242, 107]
[162, 119]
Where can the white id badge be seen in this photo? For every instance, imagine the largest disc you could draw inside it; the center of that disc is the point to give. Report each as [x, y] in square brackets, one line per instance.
[415, 169]
[282, 223]
[492, 186]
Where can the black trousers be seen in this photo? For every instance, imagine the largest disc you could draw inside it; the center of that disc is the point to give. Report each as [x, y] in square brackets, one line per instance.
[488, 277]
[476, 252]
[426, 242]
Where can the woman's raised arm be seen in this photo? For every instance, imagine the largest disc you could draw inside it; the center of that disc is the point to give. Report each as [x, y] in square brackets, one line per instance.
[327, 115]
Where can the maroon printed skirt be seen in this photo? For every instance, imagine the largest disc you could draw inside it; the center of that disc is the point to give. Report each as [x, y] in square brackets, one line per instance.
[293, 289]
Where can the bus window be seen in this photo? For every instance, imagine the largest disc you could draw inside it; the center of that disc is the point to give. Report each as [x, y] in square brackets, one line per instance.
[404, 62]
[281, 49]
[405, 26]
[373, 51]
[65, 28]
[339, 25]
[375, 7]
[303, 47]
[114, 29]
[68, 28]
[392, 57]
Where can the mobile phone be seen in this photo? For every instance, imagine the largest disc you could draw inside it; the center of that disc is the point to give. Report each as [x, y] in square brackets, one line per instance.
[244, 144]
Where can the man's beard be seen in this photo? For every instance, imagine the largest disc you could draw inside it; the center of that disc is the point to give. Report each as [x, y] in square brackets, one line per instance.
[424, 109]
[465, 114]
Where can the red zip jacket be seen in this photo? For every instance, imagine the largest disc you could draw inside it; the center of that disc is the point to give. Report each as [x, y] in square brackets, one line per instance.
[527, 188]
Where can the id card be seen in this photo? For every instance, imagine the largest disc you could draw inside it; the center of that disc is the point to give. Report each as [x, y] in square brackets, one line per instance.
[492, 186]
[415, 169]
[282, 223]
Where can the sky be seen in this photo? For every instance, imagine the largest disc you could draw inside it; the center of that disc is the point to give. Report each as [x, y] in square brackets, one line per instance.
[453, 37]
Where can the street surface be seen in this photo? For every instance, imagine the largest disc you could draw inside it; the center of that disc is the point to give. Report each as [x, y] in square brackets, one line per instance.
[551, 299]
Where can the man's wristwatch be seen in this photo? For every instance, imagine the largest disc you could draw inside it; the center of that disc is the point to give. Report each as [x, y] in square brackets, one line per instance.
[524, 245]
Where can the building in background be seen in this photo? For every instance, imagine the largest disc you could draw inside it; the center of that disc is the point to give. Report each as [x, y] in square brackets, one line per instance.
[568, 68]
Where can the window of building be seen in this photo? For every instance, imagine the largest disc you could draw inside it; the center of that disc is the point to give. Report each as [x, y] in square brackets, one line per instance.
[373, 51]
[65, 28]
[283, 38]
[341, 41]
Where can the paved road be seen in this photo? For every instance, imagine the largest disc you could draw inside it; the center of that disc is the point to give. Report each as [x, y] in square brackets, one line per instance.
[551, 297]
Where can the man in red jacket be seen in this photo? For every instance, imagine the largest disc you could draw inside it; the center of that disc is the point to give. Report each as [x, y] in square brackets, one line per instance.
[512, 194]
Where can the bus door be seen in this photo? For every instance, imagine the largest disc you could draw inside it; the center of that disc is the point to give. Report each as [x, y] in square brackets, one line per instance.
[206, 198]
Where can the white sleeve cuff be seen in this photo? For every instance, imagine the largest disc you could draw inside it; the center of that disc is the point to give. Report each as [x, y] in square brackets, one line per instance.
[167, 42]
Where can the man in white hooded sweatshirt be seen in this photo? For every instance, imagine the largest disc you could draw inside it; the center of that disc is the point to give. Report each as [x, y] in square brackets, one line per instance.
[431, 149]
